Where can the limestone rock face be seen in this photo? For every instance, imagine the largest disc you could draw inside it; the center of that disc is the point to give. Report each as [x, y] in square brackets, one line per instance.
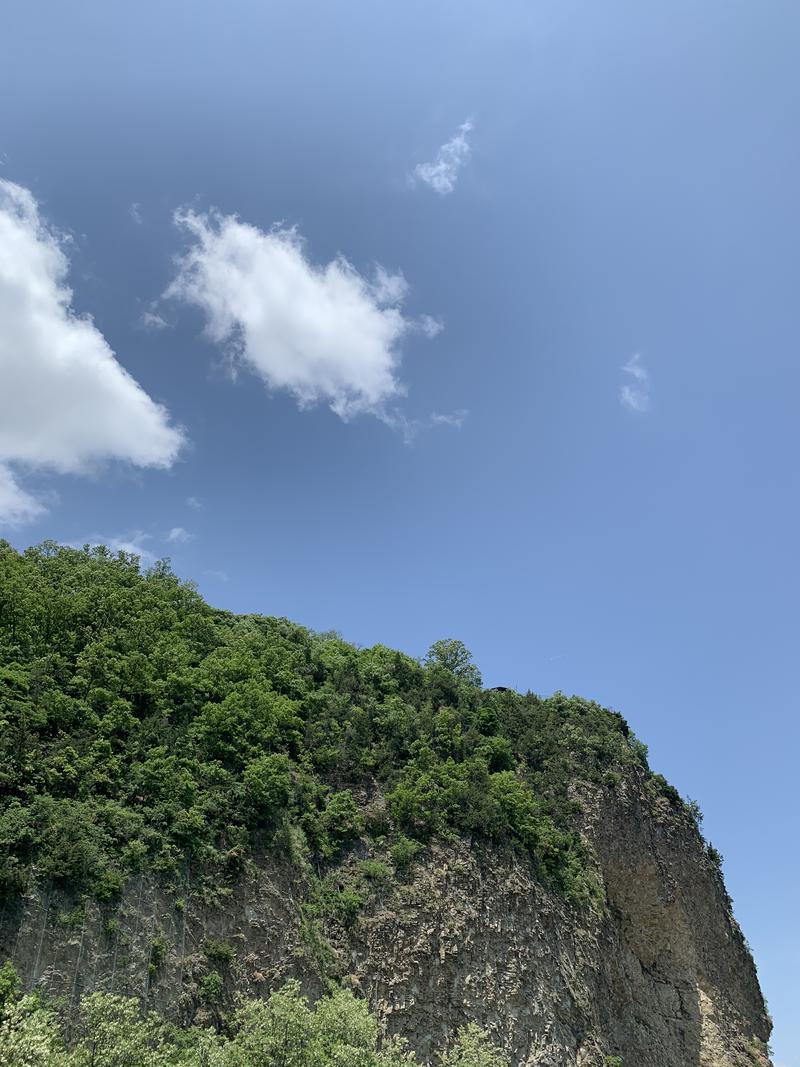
[660, 976]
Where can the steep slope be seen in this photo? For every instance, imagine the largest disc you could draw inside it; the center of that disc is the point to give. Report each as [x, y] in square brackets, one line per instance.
[195, 804]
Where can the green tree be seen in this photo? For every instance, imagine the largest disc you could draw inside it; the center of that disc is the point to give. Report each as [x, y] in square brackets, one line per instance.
[453, 656]
[29, 1036]
[110, 1031]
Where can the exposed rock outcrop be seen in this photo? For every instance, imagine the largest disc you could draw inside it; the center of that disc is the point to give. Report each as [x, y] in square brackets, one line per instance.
[661, 976]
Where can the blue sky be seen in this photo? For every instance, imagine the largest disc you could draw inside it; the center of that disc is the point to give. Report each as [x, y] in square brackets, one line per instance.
[417, 246]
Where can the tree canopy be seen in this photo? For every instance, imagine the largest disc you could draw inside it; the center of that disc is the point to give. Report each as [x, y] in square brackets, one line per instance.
[140, 727]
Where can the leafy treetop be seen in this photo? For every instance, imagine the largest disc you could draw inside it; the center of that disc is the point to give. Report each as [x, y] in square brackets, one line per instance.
[140, 726]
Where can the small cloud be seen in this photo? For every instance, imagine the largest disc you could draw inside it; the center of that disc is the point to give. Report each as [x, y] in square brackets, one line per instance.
[430, 326]
[178, 536]
[151, 320]
[635, 393]
[135, 212]
[442, 173]
[411, 428]
[453, 418]
[389, 290]
[220, 576]
[194, 502]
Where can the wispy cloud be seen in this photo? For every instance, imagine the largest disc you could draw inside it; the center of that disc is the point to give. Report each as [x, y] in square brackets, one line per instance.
[441, 174]
[130, 542]
[634, 393]
[66, 404]
[133, 542]
[411, 428]
[219, 576]
[323, 333]
[151, 320]
[178, 536]
[135, 212]
[430, 326]
[194, 502]
[453, 418]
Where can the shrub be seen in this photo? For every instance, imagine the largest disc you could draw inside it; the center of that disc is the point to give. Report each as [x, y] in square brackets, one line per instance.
[218, 952]
[9, 983]
[211, 987]
[404, 851]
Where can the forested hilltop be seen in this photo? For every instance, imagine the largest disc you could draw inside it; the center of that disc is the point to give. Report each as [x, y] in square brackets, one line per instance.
[140, 726]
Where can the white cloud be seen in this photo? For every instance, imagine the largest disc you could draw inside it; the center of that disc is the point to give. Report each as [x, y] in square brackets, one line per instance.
[442, 173]
[135, 212]
[194, 502]
[635, 393]
[178, 536]
[220, 576]
[322, 333]
[16, 506]
[66, 404]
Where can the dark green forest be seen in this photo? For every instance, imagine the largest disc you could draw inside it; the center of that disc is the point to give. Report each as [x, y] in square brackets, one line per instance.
[142, 728]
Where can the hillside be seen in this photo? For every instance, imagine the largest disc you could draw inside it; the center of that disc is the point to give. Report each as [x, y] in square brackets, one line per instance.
[196, 804]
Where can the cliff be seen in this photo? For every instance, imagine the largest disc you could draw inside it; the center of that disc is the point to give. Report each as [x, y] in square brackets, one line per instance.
[659, 976]
[195, 805]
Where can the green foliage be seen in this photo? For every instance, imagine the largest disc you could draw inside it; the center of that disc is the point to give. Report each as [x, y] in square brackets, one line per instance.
[142, 729]
[694, 811]
[211, 988]
[613, 1061]
[452, 657]
[340, 822]
[29, 1036]
[376, 871]
[714, 855]
[337, 898]
[472, 1048]
[9, 983]
[218, 952]
[158, 953]
[283, 1031]
[267, 782]
[110, 1031]
[404, 851]
[659, 787]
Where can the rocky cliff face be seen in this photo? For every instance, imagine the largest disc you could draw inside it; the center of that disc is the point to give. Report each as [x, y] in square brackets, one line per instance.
[660, 976]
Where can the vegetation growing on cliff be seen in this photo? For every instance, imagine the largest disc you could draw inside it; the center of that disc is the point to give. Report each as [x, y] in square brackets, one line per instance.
[141, 727]
[109, 1031]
